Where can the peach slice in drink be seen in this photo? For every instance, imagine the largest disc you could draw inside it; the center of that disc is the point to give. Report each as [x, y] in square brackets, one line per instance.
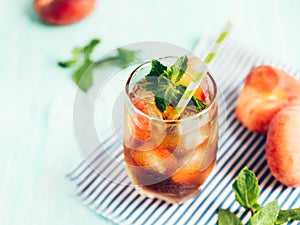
[157, 159]
[141, 124]
[190, 172]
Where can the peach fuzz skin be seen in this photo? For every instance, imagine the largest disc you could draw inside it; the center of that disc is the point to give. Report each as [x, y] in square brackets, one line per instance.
[283, 146]
[266, 91]
[63, 12]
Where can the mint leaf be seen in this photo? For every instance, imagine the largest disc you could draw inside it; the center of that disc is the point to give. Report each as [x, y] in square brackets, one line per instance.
[255, 207]
[267, 215]
[165, 91]
[225, 217]
[246, 189]
[87, 50]
[123, 58]
[76, 57]
[290, 215]
[161, 103]
[82, 58]
[198, 104]
[194, 102]
[150, 83]
[126, 56]
[176, 71]
[157, 68]
[161, 80]
[83, 76]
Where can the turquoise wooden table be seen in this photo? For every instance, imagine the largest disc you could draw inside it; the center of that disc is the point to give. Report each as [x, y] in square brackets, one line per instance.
[37, 142]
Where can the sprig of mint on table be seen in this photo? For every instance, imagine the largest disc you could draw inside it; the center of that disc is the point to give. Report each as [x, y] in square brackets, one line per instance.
[82, 61]
[161, 80]
[246, 194]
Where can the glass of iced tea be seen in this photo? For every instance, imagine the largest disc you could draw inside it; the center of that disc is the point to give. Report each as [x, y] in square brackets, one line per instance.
[169, 159]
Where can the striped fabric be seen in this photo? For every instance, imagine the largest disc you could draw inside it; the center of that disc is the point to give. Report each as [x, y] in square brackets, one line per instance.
[115, 198]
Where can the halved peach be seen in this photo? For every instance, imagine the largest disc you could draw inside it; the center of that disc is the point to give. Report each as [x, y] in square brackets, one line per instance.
[266, 91]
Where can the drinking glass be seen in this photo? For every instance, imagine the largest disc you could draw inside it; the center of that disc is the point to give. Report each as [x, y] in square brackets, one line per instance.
[169, 159]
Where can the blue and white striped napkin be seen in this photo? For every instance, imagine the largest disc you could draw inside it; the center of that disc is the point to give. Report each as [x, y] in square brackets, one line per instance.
[116, 198]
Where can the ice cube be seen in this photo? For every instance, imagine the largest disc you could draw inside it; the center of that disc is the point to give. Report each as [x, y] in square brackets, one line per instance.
[210, 148]
[153, 111]
[187, 112]
[189, 172]
[196, 164]
[196, 137]
[142, 93]
[167, 135]
[158, 159]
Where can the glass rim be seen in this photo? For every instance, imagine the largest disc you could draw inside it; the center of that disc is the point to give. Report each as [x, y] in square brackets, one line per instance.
[196, 116]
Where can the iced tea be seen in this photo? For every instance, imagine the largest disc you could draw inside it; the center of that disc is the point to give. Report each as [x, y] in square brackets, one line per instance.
[169, 159]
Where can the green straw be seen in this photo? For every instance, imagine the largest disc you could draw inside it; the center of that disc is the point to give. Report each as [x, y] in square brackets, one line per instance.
[197, 79]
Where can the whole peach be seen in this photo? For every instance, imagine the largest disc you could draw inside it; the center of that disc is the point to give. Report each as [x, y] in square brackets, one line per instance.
[266, 91]
[283, 146]
[63, 12]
